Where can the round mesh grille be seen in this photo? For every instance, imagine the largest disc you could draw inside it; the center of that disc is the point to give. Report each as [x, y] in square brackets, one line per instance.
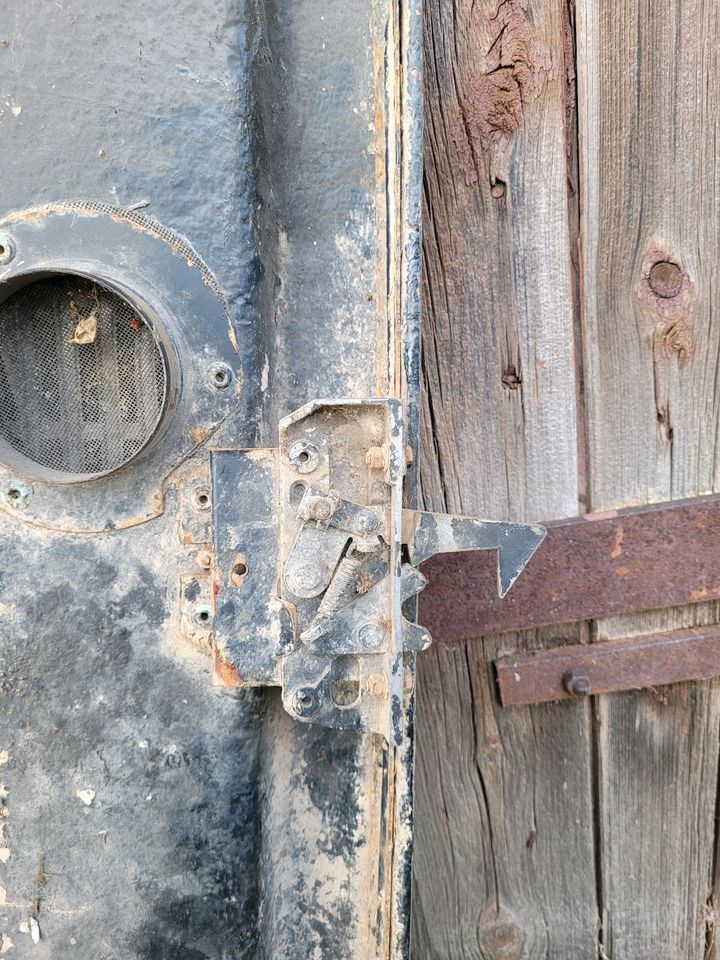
[83, 380]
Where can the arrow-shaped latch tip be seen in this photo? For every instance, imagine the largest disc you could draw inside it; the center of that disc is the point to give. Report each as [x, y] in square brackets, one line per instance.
[428, 533]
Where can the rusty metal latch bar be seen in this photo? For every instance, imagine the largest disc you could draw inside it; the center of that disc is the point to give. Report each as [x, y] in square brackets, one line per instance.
[319, 529]
[590, 567]
[630, 663]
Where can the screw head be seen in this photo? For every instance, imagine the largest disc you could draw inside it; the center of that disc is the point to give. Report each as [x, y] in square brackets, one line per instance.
[204, 559]
[305, 702]
[7, 249]
[366, 522]
[306, 576]
[370, 635]
[321, 508]
[577, 683]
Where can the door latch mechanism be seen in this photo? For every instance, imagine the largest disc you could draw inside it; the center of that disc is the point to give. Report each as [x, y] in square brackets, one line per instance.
[317, 559]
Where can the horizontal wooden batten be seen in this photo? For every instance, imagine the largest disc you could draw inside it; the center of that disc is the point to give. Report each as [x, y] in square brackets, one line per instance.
[628, 663]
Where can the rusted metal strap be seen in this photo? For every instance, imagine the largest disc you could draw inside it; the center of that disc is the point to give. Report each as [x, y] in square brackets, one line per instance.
[627, 664]
[589, 567]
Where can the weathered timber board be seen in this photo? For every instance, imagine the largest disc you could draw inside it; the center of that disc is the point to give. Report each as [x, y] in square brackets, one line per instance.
[504, 821]
[648, 109]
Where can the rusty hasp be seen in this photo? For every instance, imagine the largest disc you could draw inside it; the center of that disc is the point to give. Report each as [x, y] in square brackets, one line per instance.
[629, 663]
[594, 566]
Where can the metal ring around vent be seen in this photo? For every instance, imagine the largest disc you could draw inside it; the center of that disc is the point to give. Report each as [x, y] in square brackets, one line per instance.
[112, 331]
[83, 379]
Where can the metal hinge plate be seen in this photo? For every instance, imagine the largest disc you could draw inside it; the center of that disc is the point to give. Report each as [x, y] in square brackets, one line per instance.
[316, 560]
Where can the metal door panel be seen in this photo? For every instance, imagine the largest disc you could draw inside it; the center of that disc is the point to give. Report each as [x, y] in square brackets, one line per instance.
[151, 812]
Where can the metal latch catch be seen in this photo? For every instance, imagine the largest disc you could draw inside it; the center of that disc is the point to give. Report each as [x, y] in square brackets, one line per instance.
[330, 557]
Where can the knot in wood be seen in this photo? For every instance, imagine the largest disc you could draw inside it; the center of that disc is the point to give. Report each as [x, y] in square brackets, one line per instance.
[665, 279]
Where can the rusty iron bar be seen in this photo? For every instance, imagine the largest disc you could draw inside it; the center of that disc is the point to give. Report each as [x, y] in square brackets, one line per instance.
[630, 663]
[597, 565]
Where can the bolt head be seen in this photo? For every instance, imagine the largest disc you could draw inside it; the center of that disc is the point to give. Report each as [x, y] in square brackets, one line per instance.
[305, 702]
[577, 683]
[307, 576]
[204, 559]
[7, 249]
[371, 635]
[366, 522]
[321, 508]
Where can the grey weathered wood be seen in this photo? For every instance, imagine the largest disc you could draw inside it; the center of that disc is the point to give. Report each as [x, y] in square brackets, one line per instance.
[648, 110]
[504, 841]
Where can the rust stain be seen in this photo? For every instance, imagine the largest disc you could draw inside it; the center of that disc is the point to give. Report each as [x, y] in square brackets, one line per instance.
[669, 314]
[622, 572]
[518, 67]
[200, 434]
[619, 540]
[225, 674]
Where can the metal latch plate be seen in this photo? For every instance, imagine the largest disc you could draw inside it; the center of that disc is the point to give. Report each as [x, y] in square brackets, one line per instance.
[325, 552]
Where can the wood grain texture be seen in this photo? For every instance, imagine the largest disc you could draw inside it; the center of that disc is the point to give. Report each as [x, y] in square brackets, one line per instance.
[648, 108]
[504, 839]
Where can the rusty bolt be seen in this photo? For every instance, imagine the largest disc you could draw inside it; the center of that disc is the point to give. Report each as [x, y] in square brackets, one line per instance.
[204, 559]
[321, 508]
[577, 683]
[665, 279]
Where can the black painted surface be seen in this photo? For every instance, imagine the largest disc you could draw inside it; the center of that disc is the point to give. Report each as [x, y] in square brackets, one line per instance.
[217, 827]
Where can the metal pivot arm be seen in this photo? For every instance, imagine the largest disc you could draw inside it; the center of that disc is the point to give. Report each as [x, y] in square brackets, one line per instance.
[322, 516]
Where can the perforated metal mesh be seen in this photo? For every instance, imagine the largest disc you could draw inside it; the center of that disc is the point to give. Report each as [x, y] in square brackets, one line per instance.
[83, 381]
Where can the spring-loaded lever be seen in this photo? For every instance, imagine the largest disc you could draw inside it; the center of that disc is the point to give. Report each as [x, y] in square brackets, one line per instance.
[342, 587]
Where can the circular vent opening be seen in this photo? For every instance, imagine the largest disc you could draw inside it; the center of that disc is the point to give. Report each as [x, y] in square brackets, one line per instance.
[83, 379]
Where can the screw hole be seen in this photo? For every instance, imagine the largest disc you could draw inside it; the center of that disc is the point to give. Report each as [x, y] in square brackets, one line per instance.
[220, 376]
[14, 493]
[303, 457]
[203, 615]
[202, 499]
[240, 569]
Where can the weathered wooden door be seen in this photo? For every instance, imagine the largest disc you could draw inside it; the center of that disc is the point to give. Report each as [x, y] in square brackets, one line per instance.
[570, 146]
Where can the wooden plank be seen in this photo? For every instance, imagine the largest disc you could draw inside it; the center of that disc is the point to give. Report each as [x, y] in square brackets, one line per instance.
[650, 185]
[504, 823]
